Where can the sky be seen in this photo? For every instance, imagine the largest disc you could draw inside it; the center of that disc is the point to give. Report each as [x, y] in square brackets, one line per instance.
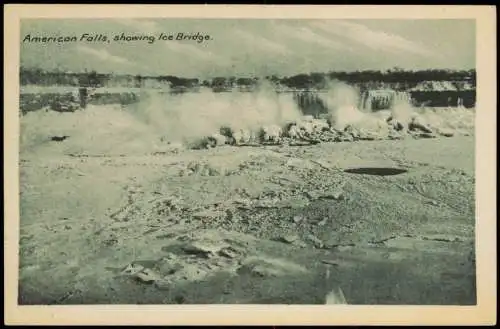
[251, 47]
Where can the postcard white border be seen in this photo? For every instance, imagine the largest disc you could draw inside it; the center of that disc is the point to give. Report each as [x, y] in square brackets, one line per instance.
[483, 313]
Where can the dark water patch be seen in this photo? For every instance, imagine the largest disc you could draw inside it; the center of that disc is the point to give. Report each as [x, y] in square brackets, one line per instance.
[376, 171]
[58, 138]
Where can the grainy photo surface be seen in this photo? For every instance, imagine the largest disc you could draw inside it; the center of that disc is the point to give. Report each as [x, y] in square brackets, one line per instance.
[262, 161]
[258, 161]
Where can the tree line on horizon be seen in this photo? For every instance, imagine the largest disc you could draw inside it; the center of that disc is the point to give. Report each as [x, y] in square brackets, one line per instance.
[396, 76]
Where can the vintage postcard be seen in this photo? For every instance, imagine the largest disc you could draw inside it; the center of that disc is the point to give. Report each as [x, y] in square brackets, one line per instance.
[250, 164]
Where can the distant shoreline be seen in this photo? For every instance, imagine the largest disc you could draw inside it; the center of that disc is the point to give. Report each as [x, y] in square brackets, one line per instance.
[396, 79]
